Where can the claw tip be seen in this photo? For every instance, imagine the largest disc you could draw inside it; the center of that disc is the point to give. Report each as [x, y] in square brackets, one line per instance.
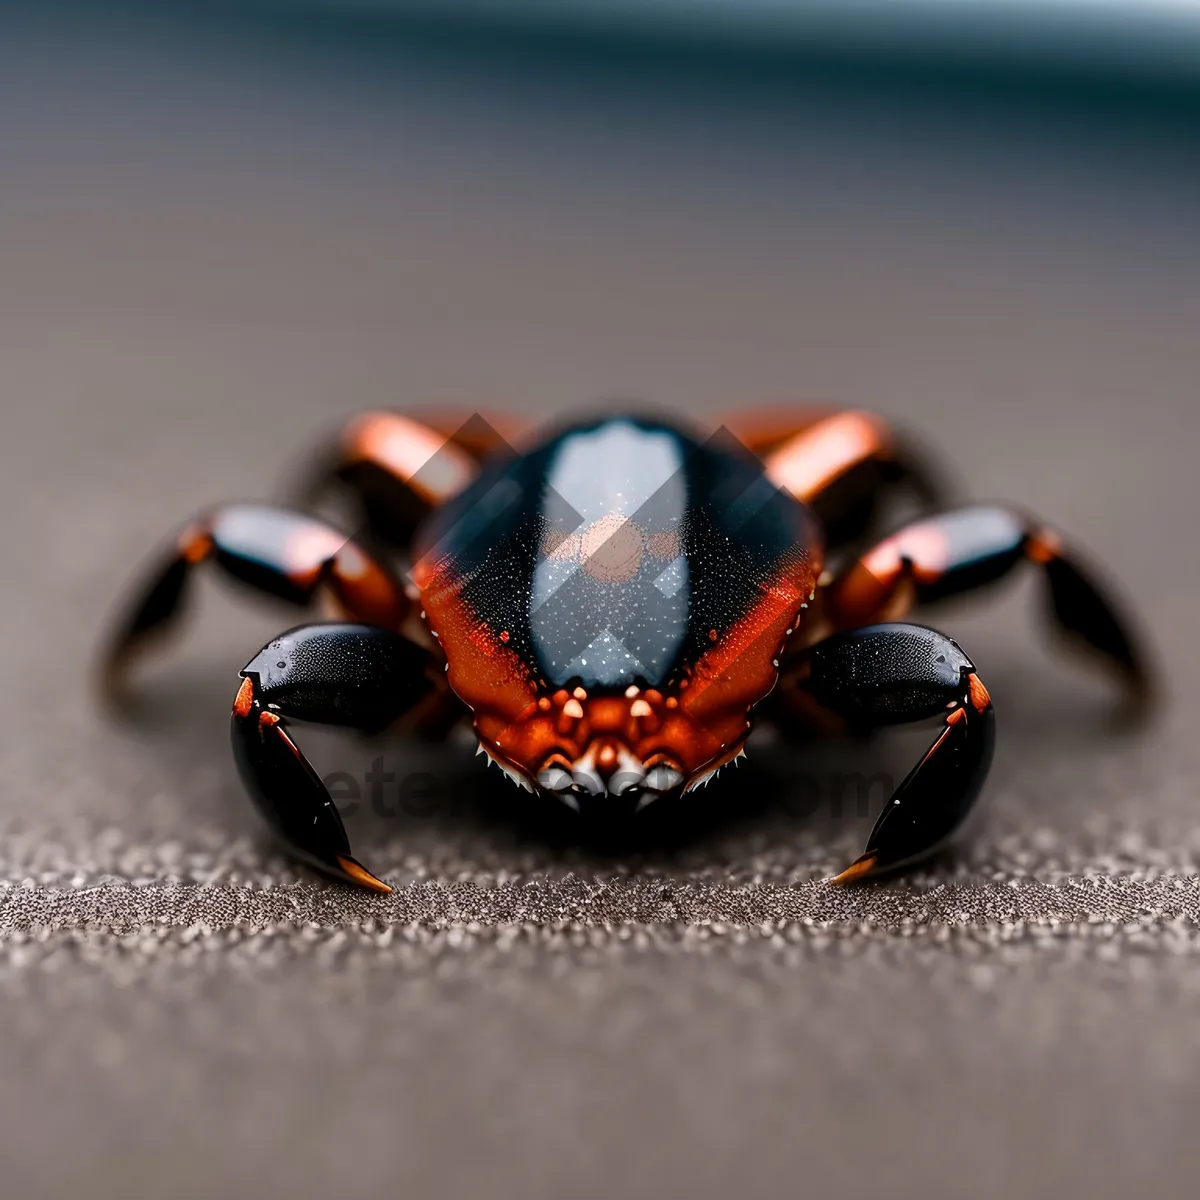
[860, 868]
[359, 874]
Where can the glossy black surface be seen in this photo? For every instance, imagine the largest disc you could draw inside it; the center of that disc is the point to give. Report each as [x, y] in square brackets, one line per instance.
[982, 543]
[338, 674]
[885, 674]
[1085, 614]
[939, 792]
[620, 550]
[273, 550]
[250, 543]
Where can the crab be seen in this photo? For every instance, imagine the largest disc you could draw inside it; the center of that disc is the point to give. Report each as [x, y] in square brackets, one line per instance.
[613, 606]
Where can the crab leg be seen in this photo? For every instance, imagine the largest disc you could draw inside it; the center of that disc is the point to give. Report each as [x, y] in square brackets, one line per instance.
[399, 468]
[967, 548]
[274, 551]
[840, 464]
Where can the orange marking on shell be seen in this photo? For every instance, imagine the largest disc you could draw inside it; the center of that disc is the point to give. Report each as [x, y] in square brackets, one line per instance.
[606, 713]
[954, 717]
[810, 461]
[489, 677]
[243, 702]
[741, 668]
[744, 658]
[531, 743]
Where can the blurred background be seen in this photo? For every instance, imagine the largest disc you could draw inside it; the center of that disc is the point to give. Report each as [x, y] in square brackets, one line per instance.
[224, 227]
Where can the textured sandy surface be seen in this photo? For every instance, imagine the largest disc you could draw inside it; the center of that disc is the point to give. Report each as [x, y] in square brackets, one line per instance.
[204, 264]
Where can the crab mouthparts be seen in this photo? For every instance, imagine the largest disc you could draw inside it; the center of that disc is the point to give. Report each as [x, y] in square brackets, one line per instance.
[606, 768]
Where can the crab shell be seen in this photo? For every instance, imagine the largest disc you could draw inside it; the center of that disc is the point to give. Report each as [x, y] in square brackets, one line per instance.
[613, 604]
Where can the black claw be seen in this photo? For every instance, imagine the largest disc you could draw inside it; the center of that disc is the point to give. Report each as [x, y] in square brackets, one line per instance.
[885, 674]
[1083, 612]
[286, 790]
[337, 674]
[146, 621]
[939, 791]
